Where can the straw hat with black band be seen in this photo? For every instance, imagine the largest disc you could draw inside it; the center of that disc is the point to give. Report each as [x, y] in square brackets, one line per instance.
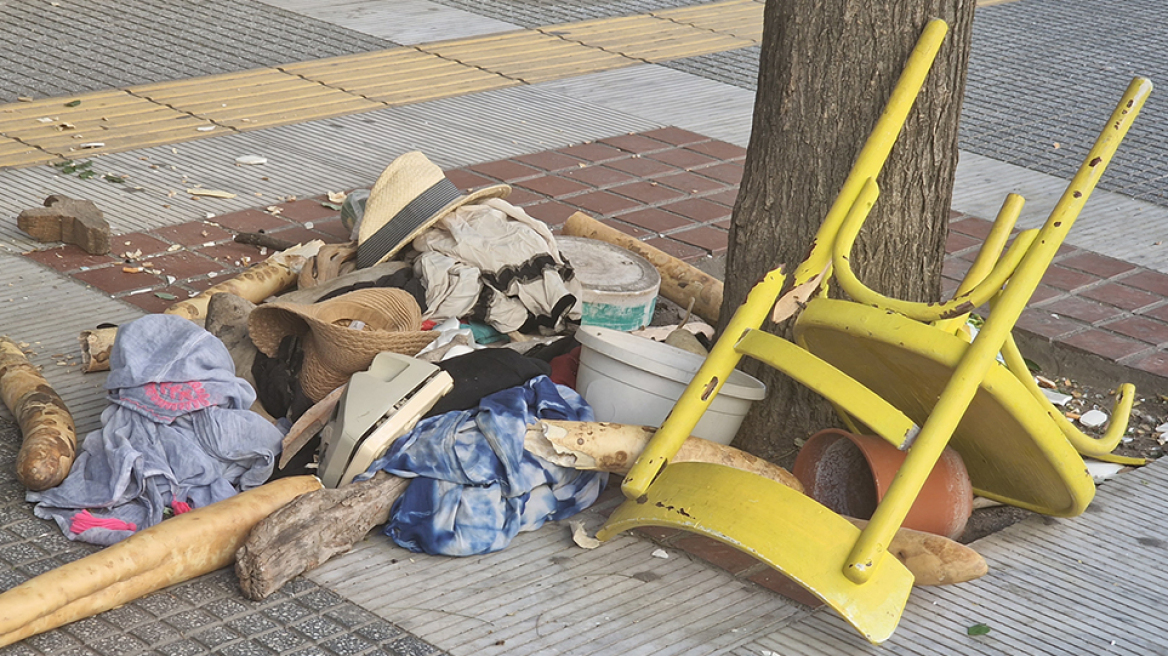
[342, 335]
[411, 195]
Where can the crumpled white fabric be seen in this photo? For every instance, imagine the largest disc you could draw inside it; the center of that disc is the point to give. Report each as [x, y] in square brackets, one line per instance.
[522, 280]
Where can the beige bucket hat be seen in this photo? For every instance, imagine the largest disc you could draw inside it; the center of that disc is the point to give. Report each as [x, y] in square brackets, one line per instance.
[343, 334]
[411, 195]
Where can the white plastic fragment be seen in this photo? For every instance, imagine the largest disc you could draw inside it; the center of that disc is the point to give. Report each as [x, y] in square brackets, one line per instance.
[250, 160]
[1101, 471]
[580, 535]
[93, 144]
[1093, 418]
[1055, 397]
[660, 553]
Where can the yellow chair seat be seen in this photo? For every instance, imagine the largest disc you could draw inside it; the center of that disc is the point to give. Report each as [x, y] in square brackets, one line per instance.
[1014, 451]
[779, 526]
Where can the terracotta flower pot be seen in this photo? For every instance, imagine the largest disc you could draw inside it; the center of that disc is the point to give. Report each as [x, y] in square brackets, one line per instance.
[850, 474]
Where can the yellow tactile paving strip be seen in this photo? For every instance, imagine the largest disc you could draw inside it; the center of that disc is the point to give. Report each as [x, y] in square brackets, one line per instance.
[250, 100]
[742, 18]
[72, 126]
[647, 38]
[528, 56]
[53, 129]
[399, 76]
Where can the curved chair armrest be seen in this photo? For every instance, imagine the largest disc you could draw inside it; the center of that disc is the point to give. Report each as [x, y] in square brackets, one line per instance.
[926, 312]
[988, 255]
[1083, 443]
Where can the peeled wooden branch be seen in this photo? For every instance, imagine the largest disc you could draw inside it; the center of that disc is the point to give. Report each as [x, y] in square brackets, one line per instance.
[933, 559]
[310, 530]
[259, 281]
[177, 550]
[613, 448]
[680, 282]
[49, 436]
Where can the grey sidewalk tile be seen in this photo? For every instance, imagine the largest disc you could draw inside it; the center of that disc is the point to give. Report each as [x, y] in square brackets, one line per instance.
[144, 41]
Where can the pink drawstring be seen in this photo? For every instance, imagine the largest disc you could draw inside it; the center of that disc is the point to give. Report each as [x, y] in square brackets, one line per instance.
[180, 507]
[83, 521]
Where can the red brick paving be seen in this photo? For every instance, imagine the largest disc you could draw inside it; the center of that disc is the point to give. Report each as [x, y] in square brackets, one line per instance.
[671, 187]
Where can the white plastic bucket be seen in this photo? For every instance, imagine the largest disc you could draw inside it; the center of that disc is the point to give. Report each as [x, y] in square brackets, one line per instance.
[634, 380]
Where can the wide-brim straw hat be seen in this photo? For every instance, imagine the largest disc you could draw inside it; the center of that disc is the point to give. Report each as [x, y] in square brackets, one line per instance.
[411, 195]
[333, 349]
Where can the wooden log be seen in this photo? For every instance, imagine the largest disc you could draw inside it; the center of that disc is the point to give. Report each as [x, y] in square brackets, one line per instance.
[613, 448]
[310, 530]
[933, 559]
[259, 281]
[177, 550]
[276, 274]
[49, 436]
[95, 348]
[263, 240]
[680, 282]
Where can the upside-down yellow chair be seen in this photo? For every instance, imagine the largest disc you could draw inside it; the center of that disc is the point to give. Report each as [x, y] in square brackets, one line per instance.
[897, 370]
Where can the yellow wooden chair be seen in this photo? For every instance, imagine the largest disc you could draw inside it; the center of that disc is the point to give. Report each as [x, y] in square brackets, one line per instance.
[810, 544]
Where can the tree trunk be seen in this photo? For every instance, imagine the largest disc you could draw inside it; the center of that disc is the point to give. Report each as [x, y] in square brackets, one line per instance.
[826, 71]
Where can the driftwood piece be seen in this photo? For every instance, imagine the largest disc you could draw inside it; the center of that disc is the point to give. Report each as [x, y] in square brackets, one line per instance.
[680, 282]
[256, 283]
[933, 559]
[310, 530]
[49, 436]
[95, 348]
[263, 240]
[174, 551]
[332, 261]
[613, 448]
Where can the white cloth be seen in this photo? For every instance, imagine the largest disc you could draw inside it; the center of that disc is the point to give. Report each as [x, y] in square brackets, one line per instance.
[494, 263]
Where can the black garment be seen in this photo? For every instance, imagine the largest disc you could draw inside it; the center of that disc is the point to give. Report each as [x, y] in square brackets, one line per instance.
[402, 279]
[484, 372]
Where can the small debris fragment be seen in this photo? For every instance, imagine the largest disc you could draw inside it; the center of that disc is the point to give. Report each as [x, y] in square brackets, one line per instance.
[205, 128]
[250, 160]
[580, 535]
[1045, 382]
[210, 193]
[660, 553]
[1093, 418]
[23, 99]
[129, 269]
[1101, 471]
[92, 144]
[73, 103]
[1057, 398]
[44, 119]
[166, 296]
[337, 196]
[977, 629]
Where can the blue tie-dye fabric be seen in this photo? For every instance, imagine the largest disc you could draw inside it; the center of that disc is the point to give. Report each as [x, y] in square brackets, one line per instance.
[474, 486]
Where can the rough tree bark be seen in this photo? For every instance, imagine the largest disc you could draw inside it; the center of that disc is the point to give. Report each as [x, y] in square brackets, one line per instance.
[827, 68]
